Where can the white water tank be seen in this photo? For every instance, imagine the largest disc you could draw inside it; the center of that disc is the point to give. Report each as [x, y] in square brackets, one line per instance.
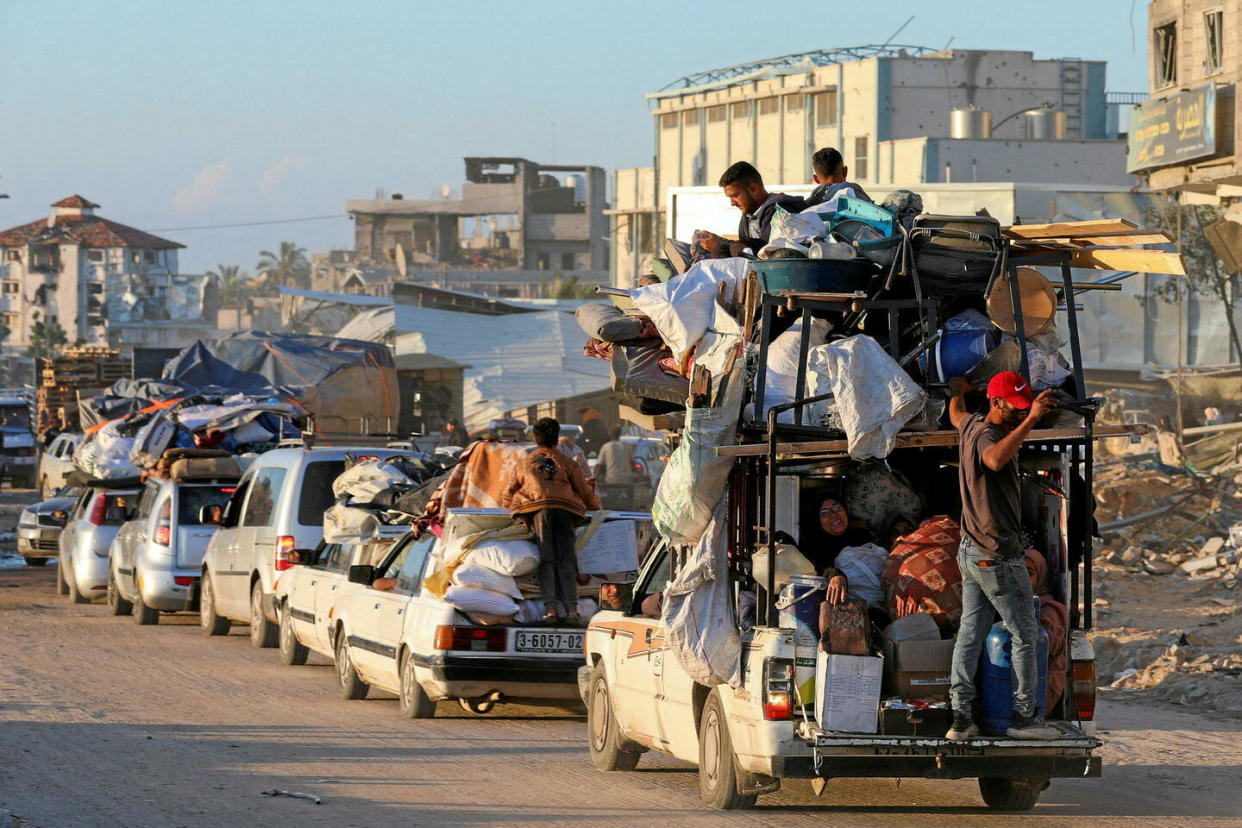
[970, 122]
[1045, 124]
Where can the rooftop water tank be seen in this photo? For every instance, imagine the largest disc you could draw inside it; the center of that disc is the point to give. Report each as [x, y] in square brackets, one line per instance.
[970, 122]
[1045, 124]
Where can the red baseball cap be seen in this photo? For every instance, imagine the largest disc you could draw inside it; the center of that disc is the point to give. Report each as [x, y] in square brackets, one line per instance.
[1011, 387]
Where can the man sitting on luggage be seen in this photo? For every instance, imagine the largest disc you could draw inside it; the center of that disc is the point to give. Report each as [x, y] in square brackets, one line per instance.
[829, 172]
[743, 185]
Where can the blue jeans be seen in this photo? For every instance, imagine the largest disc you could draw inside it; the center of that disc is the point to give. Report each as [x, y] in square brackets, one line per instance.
[1002, 585]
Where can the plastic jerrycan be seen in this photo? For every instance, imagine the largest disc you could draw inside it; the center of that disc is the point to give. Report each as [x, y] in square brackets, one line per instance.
[997, 680]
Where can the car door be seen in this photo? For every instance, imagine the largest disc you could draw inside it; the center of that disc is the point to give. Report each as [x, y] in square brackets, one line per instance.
[128, 539]
[638, 652]
[256, 542]
[332, 574]
[225, 549]
[377, 616]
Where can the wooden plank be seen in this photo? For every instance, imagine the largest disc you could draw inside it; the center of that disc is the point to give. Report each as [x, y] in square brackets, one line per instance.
[1141, 261]
[911, 439]
[1068, 228]
[1102, 240]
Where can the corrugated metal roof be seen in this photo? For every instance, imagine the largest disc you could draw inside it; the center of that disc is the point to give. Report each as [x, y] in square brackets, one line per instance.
[360, 299]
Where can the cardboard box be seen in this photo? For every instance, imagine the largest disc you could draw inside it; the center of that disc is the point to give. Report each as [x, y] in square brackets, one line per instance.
[918, 668]
[847, 692]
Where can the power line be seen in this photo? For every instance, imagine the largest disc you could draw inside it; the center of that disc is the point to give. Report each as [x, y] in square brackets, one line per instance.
[246, 223]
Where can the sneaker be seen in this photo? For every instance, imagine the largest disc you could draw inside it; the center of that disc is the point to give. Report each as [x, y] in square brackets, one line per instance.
[1031, 727]
[963, 728]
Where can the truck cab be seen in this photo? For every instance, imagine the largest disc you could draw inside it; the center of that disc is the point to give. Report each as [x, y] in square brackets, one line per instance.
[17, 441]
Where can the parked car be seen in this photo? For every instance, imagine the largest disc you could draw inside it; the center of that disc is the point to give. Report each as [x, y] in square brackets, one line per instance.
[307, 595]
[408, 641]
[39, 526]
[101, 509]
[56, 462]
[278, 507]
[157, 557]
[650, 457]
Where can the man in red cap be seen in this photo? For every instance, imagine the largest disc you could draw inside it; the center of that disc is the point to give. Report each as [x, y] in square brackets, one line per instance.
[991, 554]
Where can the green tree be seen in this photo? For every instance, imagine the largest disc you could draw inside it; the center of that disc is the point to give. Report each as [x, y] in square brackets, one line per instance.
[47, 339]
[234, 285]
[1204, 274]
[288, 267]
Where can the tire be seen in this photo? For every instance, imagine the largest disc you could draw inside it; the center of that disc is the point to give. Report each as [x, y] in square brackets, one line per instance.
[292, 651]
[31, 560]
[209, 620]
[263, 633]
[144, 615]
[74, 595]
[352, 687]
[609, 750]
[413, 699]
[1011, 794]
[117, 604]
[718, 771]
[62, 586]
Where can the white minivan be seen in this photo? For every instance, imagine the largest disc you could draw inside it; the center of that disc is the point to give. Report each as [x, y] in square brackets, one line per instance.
[278, 507]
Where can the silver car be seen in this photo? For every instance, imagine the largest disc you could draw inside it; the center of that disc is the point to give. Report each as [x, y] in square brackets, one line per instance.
[157, 557]
[40, 524]
[84, 542]
[57, 462]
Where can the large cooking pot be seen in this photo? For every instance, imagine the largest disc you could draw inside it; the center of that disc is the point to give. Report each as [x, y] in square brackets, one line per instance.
[813, 275]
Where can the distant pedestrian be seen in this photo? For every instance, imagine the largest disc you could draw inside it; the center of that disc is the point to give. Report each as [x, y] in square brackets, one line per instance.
[615, 464]
[550, 494]
[594, 433]
[455, 435]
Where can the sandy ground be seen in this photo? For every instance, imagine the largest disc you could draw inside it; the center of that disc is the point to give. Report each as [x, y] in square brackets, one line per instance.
[104, 723]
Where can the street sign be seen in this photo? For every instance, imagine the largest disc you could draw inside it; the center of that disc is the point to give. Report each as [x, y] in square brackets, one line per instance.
[1173, 130]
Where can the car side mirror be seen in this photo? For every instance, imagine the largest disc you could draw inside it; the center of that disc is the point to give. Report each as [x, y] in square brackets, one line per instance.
[301, 556]
[361, 574]
[617, 597]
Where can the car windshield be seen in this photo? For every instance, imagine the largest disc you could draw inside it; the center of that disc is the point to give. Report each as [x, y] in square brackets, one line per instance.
[15, 417]
[192, 499]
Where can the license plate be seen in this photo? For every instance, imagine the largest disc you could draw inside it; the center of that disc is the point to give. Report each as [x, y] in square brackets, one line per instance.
[530, 641]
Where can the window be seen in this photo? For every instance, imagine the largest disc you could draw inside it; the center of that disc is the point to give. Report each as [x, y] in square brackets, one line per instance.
[407, 565]
[740, 110]
[668, 120]
[1214, 33]
[192, 499]
[567, 261]
[12, 288]
[94, 288]
[690, 118]
[793, 103]
[317, 490]
[716, 114]
[12, 255]
[135, 257]
[149, 495]
[149, 256]
[768, 106]
[825, 108]
[1164, 45]
[860, 158]
[335, 557]
[95, 256]
[264, 494]
[118, 508]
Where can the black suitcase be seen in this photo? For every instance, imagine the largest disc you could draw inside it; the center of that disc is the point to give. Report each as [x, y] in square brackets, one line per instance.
[956, 247]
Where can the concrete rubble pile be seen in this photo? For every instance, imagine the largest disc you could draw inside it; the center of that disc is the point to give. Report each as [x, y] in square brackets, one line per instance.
[1168, 599]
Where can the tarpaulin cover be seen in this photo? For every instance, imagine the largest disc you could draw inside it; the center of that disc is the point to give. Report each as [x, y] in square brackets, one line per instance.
[698, 609]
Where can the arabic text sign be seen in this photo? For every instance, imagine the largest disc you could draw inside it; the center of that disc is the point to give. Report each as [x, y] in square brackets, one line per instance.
[1173, 129]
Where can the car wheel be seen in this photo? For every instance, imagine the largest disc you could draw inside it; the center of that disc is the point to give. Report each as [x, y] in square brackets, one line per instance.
[116, 602]
[144, 615]
[609, 750]
[62, 586]
[352, 687]
[414, 701]
[263, 633]
[211, 622]
[1011, 794]
[292, 651]
[31, 560]
[718, 771]
[75, 595]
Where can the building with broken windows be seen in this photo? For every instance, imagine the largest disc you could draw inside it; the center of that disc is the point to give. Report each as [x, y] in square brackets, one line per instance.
[99, 281]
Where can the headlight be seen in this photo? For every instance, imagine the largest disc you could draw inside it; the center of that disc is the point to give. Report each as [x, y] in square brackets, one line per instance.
[27, 520]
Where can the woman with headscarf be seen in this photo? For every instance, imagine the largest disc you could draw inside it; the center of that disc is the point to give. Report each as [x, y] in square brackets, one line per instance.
[1054, 618]
[826, 531]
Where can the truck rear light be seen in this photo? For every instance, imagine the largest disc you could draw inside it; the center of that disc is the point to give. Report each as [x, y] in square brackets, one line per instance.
[184, 580]
[1083, 688]
[162, 535]
[481, 639]
[284, 545]
[778, 689]
[98, 510]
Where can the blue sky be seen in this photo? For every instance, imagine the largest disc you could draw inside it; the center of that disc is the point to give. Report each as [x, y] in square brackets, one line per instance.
[177, 114]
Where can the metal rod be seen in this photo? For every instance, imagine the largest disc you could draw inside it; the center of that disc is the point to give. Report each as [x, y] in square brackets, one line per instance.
[804, 343]
[1015, 299]
[1088, 551]
[761, 376]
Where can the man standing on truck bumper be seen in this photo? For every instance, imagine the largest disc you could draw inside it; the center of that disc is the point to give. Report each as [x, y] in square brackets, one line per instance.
[991, 552]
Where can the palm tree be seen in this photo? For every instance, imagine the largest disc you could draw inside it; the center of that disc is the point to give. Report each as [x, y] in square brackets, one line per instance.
[235, 285]
[288, 267]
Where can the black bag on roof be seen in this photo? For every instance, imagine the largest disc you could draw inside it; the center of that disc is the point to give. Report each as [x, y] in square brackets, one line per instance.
[956, 247]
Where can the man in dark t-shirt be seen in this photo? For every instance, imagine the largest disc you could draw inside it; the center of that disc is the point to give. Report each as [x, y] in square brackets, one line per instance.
[991, 555]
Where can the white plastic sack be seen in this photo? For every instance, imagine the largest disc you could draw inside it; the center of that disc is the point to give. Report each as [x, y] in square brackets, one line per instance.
[682, 308]
[362, 481]
[797, 227]
[473, 599]
[695, 477]
[152, 439]
[863, 567]
[613, 547]
[107, 455]
[531, 612]
[471, 574]
[873, 395]
[346, 524]
[698, 609]
[513, 558]
[781, 380]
